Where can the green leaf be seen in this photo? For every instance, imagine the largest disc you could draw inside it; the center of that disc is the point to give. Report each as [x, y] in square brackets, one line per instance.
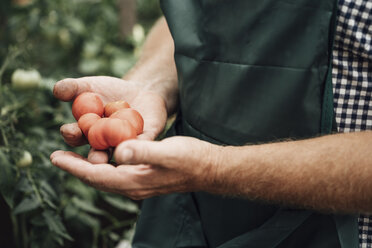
[7, 180]
[38, 221]
[121, 203]
[47, 190]
[26, 205]
[87, 206]
[55, 224]
[45, 187]
[58, 239]
[24, 186]
[89, 221]
[114, 236]
[70, 211]
[76, 187]
[50, 203]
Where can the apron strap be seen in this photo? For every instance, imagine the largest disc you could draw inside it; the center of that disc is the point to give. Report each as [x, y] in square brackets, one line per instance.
[327, 122]
[327, 110]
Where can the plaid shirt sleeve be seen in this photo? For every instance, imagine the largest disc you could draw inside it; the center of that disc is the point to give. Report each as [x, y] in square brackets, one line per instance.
[352, 79]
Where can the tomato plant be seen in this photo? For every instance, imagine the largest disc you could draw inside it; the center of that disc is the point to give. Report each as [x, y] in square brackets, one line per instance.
[40, 43]
[37, 198]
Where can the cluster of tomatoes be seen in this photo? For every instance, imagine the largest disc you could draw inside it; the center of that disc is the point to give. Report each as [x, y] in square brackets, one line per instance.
[106, 126]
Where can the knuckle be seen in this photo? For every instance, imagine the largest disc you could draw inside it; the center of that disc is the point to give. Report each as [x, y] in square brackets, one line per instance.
[140, 155]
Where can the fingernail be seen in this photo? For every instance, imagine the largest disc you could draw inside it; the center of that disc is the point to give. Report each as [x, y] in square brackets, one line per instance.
[52, 156]
[53, 161]
[126, 155]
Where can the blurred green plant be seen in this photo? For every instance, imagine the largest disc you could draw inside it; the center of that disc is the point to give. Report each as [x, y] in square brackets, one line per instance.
[40, 42]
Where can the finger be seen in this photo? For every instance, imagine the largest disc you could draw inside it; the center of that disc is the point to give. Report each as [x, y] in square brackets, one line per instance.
[58, 153]
[98, 157]
[67, 89]
[72, 134]
[100, 174]
[141, 152]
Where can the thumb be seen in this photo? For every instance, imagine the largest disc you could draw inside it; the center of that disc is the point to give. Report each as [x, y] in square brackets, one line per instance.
[141, 152]
[67, 89]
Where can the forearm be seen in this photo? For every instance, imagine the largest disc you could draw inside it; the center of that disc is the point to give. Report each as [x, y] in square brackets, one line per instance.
[328, 173]
[156, 69]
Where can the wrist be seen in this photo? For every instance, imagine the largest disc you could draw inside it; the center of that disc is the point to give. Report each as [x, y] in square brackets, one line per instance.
[226, 171]
[164, 88]
[216, 163]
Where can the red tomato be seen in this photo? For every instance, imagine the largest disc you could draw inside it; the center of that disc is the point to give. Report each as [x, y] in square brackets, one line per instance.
[119, 131]
[112, 107]
[132, 116]
[107, 132]
[87, 102]
[96, 136]
[86, 121]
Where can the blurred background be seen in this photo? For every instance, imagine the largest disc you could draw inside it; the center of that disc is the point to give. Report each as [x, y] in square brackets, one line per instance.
[41, 42]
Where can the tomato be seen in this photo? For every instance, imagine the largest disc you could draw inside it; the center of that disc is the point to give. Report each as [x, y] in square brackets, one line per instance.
[107, 132]
[25, 160]
[132, 116]
[118, 131]
[87, 103]
[86, 121]
[96, 136]
[25, 80]
[112, 107]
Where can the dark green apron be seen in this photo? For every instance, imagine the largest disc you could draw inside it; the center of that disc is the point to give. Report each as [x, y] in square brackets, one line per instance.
[250, 71]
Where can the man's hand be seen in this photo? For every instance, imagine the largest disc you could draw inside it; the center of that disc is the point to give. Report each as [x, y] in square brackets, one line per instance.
[315, 173]
[148, 168]
[149, 104]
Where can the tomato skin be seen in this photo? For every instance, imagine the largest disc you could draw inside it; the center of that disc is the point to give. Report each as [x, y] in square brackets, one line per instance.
[112, 107]
[119, 131]
[86, 121]
[96, 136]
[25, 160]
[107, 132]
[87, 102]
[132, 116]
[25, 79]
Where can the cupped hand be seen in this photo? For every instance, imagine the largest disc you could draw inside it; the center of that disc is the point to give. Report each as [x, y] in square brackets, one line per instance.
[149, 104]
[149, 168]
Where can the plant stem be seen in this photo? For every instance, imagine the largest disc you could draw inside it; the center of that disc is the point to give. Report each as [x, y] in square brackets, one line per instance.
[3, 67]
[15, 230]
[95, 238]
[24, 231]
[117, 225]
[6, 143]
[36, 190]
[12, 54]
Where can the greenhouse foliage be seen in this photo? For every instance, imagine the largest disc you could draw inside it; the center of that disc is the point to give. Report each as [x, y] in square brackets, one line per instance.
[42, 42]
